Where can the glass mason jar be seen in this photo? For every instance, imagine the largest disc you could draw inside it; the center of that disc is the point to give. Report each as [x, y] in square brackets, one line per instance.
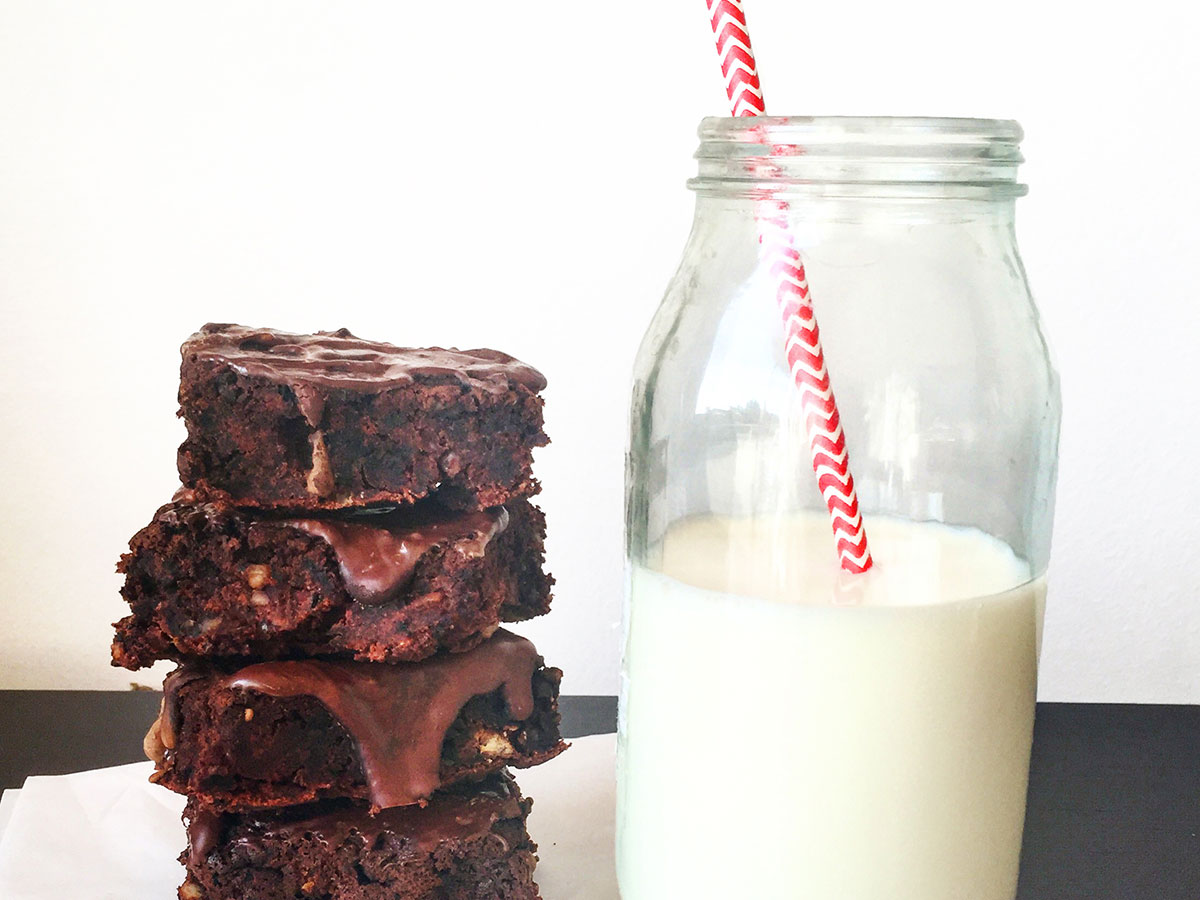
[788, 730]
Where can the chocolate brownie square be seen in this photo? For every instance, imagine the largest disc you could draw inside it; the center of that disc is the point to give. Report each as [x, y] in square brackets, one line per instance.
[469, 843]
[328, 420]
[280, 733]
[212, 580]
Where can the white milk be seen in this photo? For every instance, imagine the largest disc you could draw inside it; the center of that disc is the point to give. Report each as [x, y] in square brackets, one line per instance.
[807, 735]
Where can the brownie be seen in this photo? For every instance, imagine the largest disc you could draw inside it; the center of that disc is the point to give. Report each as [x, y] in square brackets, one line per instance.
[327, 420]
[469, 843]
[211, 580]
[280, 733]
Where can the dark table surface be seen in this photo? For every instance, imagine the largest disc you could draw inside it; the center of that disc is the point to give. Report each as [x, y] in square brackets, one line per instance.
[1114, 793]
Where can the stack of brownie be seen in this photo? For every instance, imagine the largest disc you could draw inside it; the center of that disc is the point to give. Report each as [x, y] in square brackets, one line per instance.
[353, 527]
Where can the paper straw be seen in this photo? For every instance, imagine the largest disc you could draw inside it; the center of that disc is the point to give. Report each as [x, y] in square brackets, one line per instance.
[802, 337]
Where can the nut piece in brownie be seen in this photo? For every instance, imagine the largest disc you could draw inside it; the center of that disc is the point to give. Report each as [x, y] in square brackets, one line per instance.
[468, 843]
[328, 420]
[208, 579]
[286, 732]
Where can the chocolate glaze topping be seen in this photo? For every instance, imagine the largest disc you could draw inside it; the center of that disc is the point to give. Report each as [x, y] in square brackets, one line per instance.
[378, 553]
[313, 364]
[397, 714]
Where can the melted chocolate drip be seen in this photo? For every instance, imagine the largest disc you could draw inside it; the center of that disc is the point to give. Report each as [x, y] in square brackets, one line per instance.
[312, 364]
[399, 714]
[377, 554]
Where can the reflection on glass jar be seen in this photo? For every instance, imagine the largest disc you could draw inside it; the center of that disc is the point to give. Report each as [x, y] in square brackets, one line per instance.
[788, 730]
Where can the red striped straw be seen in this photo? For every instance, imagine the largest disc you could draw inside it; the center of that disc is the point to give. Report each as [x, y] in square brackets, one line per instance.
[802, 337]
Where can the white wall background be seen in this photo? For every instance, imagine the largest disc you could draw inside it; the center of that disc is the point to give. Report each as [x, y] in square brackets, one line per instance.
[456, 173]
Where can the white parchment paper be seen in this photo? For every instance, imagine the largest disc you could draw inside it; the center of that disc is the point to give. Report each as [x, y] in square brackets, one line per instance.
[109, 834]
[8, 800]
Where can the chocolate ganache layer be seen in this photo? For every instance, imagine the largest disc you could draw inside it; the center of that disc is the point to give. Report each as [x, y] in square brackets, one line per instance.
[456, 814]
[378, 553]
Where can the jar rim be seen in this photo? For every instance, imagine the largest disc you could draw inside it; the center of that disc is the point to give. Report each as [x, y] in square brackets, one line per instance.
[860, 156]
[1007, 130]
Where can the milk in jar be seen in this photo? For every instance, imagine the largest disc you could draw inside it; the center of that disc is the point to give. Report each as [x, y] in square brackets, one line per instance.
[853, 738]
